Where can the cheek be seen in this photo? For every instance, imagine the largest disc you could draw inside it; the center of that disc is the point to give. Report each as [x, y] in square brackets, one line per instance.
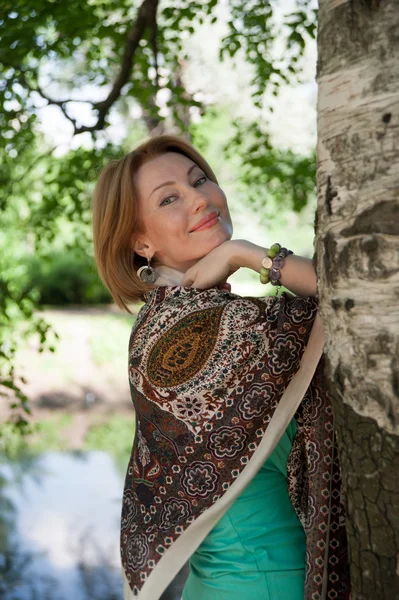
[166, 225]
[221, 197]
[223, 204]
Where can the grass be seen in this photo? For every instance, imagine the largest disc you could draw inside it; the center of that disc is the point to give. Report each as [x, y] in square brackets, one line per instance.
[46, 435]
[115, 437]
[109, 339]
[101, 342]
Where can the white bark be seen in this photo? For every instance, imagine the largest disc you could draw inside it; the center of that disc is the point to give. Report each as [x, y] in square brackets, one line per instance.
[357, 260]
[358, 210]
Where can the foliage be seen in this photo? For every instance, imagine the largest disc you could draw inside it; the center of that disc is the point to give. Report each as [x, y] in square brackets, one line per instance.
[110, 57]
[40, 201]
[65, 278]
[280, 176]
[17, 317]
[43, 436]
[253, 30]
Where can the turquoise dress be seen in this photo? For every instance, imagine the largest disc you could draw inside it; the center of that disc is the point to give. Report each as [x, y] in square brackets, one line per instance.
[256, 551]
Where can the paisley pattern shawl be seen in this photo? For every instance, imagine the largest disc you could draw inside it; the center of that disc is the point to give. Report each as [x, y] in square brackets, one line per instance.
[215, 379]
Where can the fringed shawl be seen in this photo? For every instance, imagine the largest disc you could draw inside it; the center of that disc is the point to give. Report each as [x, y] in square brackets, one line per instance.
[215, 379]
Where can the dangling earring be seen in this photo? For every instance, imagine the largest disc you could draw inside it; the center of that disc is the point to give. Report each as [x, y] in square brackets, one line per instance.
[147, 274]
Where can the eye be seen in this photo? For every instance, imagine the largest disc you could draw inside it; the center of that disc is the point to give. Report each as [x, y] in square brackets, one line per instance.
[203, 179]
[165, 201]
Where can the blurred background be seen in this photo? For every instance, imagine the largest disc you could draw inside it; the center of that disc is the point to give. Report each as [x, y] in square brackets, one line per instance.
[80, 84]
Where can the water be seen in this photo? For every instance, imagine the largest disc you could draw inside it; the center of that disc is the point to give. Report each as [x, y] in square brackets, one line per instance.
[60, 533]
[59, 528]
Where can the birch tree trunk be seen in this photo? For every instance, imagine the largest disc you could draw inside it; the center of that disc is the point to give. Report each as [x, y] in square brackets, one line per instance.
[357, 259]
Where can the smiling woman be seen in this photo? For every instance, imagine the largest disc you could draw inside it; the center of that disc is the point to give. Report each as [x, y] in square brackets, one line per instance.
[183, 204]
[134, 208]
[235, 433]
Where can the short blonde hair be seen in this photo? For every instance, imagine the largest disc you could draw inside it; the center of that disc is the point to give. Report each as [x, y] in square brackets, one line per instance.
[116, 218]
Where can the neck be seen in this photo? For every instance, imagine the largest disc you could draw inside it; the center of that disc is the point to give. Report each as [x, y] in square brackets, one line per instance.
[168, 276]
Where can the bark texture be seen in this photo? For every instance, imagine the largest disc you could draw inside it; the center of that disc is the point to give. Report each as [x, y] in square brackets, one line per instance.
[357, 261]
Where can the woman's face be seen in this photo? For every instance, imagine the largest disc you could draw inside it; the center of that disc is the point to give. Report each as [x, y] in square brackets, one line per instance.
[174, 196]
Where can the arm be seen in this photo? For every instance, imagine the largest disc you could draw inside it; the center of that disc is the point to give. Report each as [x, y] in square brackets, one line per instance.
[297, 275]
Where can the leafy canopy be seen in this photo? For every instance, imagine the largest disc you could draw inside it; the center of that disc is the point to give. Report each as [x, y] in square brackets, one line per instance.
[107, 57]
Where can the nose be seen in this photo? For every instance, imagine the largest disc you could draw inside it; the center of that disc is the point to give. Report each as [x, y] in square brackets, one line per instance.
[199, 200]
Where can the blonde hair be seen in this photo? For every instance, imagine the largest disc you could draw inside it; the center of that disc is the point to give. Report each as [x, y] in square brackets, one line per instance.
[116, 218]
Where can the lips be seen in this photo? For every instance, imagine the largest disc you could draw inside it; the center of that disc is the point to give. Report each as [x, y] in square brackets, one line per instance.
[204, 220]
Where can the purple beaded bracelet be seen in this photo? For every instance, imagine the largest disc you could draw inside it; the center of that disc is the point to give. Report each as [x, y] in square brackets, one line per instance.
[272, 263]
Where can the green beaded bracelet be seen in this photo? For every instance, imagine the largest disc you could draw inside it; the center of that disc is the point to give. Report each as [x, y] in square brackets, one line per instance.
[268, 264]
[273, 251]
[264, 275]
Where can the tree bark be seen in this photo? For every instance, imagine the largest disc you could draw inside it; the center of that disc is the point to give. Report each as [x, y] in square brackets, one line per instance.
[357, 260]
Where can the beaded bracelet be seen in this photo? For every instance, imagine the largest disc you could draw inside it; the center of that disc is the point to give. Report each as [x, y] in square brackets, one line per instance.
[272, 263]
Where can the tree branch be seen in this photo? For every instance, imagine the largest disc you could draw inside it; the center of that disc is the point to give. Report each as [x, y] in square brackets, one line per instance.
[60, 103]
[145, 18]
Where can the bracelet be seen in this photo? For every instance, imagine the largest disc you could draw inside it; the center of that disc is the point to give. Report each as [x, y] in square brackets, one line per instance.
[272, 263]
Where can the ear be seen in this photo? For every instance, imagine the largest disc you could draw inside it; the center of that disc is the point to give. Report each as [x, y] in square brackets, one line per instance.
[143, 247]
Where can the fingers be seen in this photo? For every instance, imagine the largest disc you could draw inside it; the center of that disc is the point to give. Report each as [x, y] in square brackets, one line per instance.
[187, 281]
[194, 281]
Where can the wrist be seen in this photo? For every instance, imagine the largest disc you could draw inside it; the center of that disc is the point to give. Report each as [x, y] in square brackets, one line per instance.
[273, 262]
[246, 254]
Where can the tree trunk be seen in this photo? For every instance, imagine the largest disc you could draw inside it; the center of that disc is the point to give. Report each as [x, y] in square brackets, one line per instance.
[357, 258]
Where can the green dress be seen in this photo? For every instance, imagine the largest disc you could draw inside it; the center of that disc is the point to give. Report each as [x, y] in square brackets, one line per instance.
[257, 549]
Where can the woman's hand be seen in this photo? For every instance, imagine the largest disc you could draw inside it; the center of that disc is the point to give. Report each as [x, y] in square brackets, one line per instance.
[214, 268]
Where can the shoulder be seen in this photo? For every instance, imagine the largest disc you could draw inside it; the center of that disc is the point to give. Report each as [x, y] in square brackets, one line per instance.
[191, 341]
[174, 313]
[179, 307]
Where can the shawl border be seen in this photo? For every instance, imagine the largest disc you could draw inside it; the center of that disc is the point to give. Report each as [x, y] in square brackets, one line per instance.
[177, 555]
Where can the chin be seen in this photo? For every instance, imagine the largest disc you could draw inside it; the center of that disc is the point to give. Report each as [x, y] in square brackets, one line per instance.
[218, 238]
[207, 248]
[221, 237]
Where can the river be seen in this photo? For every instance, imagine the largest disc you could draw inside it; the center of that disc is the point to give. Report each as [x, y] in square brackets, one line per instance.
[59, 528]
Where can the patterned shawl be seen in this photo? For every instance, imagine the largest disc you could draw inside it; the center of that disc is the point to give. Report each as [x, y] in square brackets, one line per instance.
[215, 380]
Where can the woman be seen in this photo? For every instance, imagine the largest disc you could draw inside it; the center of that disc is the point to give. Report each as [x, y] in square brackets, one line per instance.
[234, 461]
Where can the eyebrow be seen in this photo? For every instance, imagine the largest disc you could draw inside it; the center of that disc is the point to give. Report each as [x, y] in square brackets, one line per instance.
[171, 182]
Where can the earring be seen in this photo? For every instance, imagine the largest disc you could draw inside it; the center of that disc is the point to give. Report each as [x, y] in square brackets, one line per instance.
[147, 274]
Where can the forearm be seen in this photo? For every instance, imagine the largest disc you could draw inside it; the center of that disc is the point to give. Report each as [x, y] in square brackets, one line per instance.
[297, 274]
